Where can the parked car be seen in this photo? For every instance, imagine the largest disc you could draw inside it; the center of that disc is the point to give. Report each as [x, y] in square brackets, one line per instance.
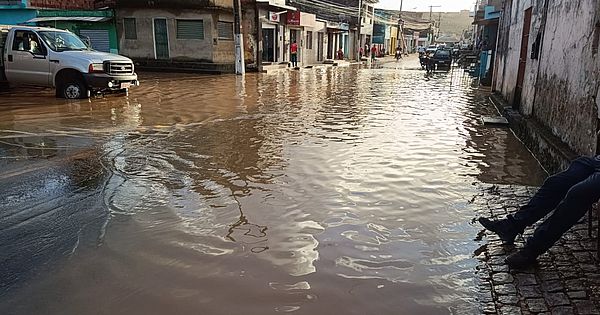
[442, 59]
[56, 58]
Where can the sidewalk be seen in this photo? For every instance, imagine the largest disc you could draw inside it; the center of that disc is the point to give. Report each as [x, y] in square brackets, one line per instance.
[565, 281]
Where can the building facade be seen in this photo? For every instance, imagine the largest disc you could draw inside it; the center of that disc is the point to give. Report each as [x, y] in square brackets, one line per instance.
[177, 34]
[486, 22]
[549, 72]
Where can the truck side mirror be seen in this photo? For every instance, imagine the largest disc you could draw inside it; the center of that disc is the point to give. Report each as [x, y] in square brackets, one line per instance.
[87, 41]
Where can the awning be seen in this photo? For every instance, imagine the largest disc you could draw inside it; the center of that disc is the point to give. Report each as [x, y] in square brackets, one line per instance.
[69, 18]
[486, 22]
[277, 5]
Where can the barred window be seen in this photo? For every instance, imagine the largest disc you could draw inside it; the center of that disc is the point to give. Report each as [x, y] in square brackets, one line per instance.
[130, 28]
[225, 30]
[190, 29]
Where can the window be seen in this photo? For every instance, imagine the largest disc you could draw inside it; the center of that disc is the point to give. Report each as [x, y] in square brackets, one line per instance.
[309, 40]
[225, 30]
[130, 28]
[190, 29]
[28, 41]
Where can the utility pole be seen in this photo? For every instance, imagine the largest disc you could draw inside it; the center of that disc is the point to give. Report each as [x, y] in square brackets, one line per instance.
[399, 26]
[239, 39]
[439, 24]
[358, 44]
[431, 20]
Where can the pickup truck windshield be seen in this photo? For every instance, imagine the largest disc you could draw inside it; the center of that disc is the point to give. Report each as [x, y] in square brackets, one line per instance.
[62, 41]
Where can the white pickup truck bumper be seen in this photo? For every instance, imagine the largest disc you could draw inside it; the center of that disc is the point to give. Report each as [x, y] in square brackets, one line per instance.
[103, 81]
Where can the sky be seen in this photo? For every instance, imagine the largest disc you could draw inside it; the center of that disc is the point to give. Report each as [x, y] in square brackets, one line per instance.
[423, 5]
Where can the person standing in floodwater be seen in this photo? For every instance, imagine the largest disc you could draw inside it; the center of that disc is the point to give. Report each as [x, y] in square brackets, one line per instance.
[294, 54]
[373, 52]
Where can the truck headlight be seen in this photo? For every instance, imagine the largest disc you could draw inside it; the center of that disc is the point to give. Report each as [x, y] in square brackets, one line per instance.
[96, 67]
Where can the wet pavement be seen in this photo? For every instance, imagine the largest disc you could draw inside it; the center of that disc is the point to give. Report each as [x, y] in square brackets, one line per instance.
[566, 279]
[332, 189]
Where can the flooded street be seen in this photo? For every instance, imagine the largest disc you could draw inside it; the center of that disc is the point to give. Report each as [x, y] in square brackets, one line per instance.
[307, 192]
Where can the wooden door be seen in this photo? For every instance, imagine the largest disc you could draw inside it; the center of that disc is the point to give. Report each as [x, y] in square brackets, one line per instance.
[523, 57]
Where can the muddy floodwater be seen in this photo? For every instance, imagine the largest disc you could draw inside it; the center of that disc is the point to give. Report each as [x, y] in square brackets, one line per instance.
[320, 191]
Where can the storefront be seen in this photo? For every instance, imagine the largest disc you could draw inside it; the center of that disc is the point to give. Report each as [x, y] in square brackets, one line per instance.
[338, 39]
[272, 16]
[272, 35]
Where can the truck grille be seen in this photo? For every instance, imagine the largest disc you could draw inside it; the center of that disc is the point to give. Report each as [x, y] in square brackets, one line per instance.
[116, 68]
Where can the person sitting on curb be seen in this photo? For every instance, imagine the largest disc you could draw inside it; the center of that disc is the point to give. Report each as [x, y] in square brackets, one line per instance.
[570, 194]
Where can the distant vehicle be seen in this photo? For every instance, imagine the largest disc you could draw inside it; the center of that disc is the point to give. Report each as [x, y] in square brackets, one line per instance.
[441, 59]
[49, 57]
[431, 49]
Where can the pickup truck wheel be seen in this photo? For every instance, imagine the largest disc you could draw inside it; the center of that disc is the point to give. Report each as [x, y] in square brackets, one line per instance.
[74, 89]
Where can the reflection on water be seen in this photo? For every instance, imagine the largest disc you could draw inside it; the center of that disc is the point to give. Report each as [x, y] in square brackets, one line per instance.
[309, 192]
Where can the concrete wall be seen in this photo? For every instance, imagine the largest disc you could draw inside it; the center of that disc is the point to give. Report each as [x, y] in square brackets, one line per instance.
[561, 86]
[568, 81]
[310, 55]
[210, 49]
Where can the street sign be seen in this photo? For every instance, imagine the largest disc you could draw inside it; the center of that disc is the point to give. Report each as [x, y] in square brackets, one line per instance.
[293, 17]
[274, 17]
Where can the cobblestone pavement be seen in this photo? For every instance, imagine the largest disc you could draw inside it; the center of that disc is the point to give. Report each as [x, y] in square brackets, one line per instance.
[565, 280]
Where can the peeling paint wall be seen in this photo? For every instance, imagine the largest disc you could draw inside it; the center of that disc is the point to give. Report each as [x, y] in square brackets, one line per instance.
[561, 86]
[568, 79]
[508, 57]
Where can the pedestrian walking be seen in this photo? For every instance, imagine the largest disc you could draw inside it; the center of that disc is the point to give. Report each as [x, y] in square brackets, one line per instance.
[570, 194]
[294, 54]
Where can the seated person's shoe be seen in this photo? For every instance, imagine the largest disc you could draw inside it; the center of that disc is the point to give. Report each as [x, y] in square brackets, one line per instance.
[521, 259]
[505, 229]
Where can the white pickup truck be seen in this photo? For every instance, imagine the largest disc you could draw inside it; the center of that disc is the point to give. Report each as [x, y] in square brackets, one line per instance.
[56, 58]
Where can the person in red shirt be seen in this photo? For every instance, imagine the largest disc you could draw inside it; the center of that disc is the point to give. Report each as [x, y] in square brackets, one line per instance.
[294, 54]
[373, 52]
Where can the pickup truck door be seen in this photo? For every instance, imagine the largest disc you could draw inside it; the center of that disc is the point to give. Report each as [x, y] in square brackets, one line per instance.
[27, 59]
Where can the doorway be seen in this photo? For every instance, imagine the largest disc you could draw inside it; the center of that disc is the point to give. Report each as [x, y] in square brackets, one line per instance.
[330, 45]
[268, 53]
[320, 38]
[522, 59]
[161, 39]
